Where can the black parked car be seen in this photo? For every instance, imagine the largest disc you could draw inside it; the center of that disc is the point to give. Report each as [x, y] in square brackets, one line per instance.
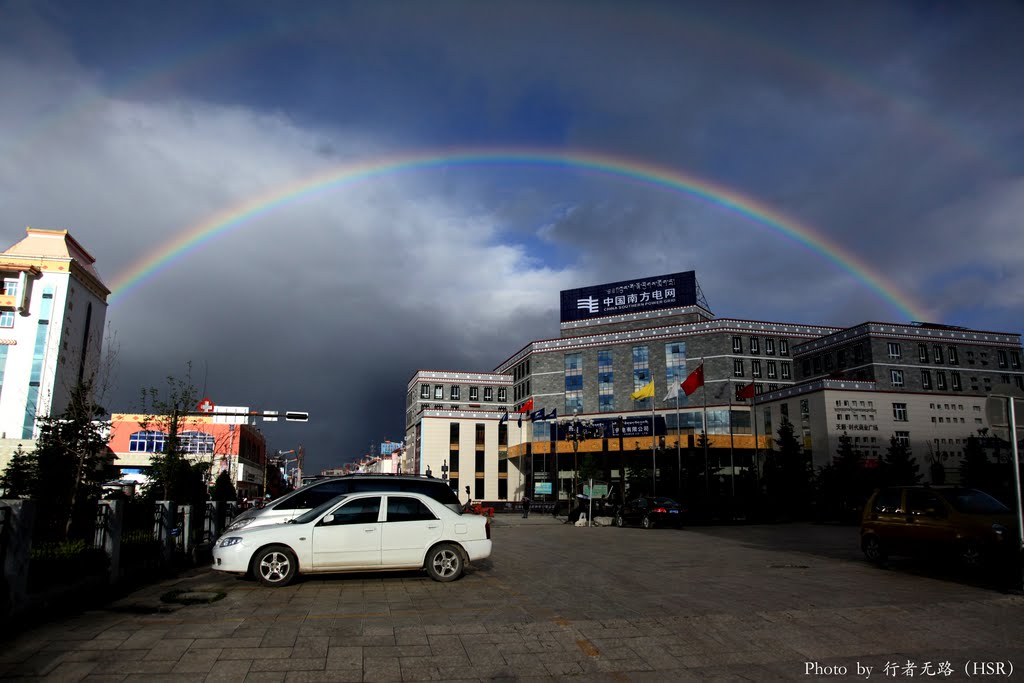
[649, 512]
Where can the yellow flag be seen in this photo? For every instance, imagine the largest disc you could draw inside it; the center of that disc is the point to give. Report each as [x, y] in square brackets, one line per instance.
[646, 392]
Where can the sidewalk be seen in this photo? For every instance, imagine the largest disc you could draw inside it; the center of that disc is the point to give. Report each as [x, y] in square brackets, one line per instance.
[538, 519]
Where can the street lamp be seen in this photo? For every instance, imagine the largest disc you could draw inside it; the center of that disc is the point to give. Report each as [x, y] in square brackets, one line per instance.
[444, 470]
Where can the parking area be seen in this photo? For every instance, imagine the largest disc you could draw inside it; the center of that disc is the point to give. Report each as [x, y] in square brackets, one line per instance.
[773, 602]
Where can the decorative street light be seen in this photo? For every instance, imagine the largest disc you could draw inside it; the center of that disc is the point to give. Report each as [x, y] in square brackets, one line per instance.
[444, 470]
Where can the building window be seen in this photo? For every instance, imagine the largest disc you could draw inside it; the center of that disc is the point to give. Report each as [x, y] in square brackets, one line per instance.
[769, 347]
[955, 379]
[903, 438]
[737, 368]
[784, 410]
[1015, 359]
[858, 353]
[196, 443]
[605, 382]
[783, 347]
[940, 380]
[926, 379]
[937, 355]
[899, 412]
[10, 287]
[438, 392]
[922, 353]
[787, 373]
[771, 369]
[816, 363]
[424, 391]
[841, 358]
[754, 345]
[737, 344]
[453, 439]
[954, 359]
[641, 373]
[488, 393]
[147, 442]
[573, 382]
[1001, 357]
[456, 392]
[474, 393]
[894, 350]
[828, 362]
[7, 319]
[897, 377]
[480, 433]
[755, 368]
[675, 366]
[502, 395]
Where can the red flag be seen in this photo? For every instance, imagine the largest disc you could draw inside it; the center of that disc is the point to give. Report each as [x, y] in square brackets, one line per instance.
[527, 407]
[694, 381]
[745, 392]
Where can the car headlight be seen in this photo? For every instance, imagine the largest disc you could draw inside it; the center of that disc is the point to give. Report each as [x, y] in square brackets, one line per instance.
[239, 524]
[998, 529]
[229, 541]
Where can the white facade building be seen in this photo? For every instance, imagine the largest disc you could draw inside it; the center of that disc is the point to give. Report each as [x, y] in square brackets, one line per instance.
[52, 316]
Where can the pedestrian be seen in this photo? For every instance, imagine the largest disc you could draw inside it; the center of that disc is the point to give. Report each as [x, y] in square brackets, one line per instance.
[526, 507]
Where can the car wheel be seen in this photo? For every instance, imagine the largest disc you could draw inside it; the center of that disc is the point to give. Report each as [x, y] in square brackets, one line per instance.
[619, 521]
[873, 550]
[647, 522]
[275, 566]
[444, 562]
[970, 556]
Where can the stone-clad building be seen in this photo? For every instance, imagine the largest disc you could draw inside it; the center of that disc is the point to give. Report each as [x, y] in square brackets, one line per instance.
[617, 338]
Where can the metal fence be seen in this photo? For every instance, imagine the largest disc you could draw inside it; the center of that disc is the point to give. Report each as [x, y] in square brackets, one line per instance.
[140, 536]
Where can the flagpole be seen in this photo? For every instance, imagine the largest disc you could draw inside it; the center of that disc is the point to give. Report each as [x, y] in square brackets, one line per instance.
[732, 461]
[704, 424]
[679, 452]
[654, 455]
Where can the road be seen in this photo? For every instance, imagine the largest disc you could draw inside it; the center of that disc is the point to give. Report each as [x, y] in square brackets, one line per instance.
[772, 602]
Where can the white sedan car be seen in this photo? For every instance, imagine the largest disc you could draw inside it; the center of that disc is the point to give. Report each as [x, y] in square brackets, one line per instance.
[359, 532]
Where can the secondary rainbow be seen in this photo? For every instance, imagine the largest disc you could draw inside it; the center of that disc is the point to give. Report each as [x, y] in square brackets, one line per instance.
[645, 173]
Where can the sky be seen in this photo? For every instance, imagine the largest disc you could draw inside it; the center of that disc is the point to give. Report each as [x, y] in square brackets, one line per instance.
[303, 204]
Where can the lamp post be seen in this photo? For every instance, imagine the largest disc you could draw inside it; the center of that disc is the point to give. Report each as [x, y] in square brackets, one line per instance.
[444, 470]
[621, 422]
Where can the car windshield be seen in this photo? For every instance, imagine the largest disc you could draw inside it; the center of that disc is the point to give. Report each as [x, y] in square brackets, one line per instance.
[662, 501]
[973, 502]
[307, 517]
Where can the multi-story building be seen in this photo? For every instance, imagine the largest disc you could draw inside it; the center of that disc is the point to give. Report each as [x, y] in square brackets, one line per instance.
[52, 313]
[923, 384]
[617, 338]
[230, 443]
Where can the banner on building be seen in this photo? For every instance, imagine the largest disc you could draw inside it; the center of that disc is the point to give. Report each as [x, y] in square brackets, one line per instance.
[631, 296]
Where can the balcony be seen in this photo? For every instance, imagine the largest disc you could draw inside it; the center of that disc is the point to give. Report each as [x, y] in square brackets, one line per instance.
[8, 301]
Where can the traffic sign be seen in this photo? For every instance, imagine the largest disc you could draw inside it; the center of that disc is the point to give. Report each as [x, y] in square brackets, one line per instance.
[270, 416]
[296, 416]
[205, 406]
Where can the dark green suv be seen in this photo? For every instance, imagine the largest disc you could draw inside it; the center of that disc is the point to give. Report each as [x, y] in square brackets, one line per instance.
[962, 523]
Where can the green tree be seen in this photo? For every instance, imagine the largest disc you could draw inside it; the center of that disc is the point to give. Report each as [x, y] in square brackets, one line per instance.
[173, 476]
[788, 474]
[899, 467]
[974, 468]
[72, 458]
[224, 489]
[20, 475]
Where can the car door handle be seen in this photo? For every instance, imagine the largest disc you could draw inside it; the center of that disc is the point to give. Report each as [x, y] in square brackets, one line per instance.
[370, 530]
[431, 526]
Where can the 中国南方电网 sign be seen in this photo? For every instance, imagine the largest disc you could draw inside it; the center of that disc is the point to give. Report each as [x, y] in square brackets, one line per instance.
[630, 296]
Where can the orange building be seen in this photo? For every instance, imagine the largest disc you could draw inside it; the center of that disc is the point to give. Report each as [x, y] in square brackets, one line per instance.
[226, 443]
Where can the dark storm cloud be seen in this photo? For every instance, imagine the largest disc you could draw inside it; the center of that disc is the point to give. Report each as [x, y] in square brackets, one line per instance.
[891, 130]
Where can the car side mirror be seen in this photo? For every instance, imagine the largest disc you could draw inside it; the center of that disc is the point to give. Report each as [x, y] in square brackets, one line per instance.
[328, 519]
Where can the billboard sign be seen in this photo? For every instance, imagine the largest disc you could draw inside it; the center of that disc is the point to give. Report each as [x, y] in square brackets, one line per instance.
[629, 296]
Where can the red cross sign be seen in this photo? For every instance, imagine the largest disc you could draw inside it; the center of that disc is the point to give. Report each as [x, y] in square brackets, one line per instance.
[205, 406]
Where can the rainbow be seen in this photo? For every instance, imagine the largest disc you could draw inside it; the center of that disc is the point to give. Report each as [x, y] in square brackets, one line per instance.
[645, 173]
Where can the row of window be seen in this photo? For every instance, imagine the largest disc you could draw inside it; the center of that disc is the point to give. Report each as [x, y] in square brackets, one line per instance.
[755, 346]
[772, 367]
[937, 356]
[455, 393]
[152, 441]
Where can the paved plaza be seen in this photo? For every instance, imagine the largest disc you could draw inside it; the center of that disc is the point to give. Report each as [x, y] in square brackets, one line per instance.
[762, 603]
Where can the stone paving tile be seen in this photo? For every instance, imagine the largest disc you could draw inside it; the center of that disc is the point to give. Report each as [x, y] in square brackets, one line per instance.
[232, 671]
[382, 669]
[289, 664]
[334, 676]
[104, 678]
[266, 677]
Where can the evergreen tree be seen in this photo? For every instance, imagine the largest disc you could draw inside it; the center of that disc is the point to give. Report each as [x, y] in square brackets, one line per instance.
[72, 459]
[853, 484]
[788, 472]
[20, 476]
[975, 465]
[899, 467]
[224, 489]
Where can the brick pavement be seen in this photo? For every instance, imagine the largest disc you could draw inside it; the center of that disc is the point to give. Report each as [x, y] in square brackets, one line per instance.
[553, 602]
